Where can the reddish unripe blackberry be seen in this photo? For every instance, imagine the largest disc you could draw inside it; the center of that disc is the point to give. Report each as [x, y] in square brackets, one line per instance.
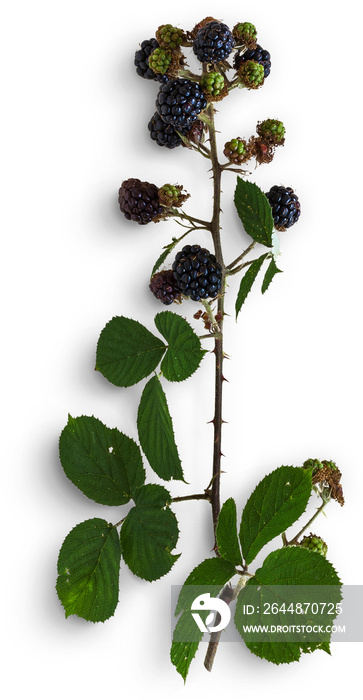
[285, 206]
[197, 272]
[164, 287]
[139, 201]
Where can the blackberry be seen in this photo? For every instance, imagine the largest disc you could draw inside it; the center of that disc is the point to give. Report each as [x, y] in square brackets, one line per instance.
[213, 42]
[141, 61]
[285, 206]
[251, 74]
[179, 102]
[197, 272]
[213, 86]
[245, 33]
[237, 151]
[164, 287]
[163, 134]
[272, 131]
[314, 544]
[258, 54]
[170, 37]
[139, 201]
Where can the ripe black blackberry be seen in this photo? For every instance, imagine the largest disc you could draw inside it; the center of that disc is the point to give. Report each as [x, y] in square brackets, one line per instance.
[214, 42]
[197, 272]
[164, 287]
[163, 134]
[258, 54]
[179, 102]
[285, 206]
[139, 201]
[141, 61]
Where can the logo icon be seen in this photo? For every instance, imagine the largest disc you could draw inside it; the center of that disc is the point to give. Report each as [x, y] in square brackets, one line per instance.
[205, 602]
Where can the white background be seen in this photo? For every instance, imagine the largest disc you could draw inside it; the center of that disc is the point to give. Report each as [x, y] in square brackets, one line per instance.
[75, 126]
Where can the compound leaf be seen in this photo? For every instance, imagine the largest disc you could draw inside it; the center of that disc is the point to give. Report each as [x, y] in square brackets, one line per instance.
[247, 282]
[88, 571]
[278, 500]
[254, 210]
[226, 533]
[184, 353]
[156, 433]
[149, 533]
[127, 352]
[292, 602]
[105, 464]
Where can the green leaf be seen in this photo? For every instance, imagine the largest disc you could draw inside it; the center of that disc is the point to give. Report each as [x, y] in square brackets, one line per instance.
[88, 571]
[289, 577]
[182, 653]
[278, 500]
[127, 352]
[184, 353]
[271, 271]
[149, 533]
[247, 282]
[212, 575]
[105, 464]
[226, 533]
[166, 251]
[254, 210]
[156, 434]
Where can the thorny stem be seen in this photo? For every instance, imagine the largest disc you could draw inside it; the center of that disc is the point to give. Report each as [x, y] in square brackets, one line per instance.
[194, 497]
[228, 595]
[218, 343]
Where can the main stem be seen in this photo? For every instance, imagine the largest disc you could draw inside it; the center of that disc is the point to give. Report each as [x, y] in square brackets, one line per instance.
[218, 343]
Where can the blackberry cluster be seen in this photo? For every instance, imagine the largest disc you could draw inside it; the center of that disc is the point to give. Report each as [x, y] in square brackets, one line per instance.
[164, 287]
[139, 201]
[197, 272]
[164, 134]
[179, 102]
[258, 54]
[213, 42]
[285, 206]
[141, 61]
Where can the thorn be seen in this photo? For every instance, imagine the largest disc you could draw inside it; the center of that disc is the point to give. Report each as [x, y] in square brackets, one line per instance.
[224, 379]
[224, 421]
[211, 421]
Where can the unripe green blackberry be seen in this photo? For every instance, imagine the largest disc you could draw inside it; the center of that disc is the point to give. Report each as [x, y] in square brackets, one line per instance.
[314, 544]
[170, 37]
[160, 60]
[272, 131]
[245, 34]
[313, 464]
[251, 74]
[236, 151]
[171, 195]
[213, 85]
